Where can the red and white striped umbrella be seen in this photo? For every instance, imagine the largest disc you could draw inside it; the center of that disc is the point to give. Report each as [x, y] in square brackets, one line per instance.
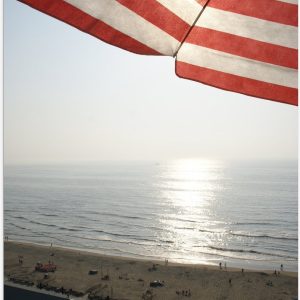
[249, 47]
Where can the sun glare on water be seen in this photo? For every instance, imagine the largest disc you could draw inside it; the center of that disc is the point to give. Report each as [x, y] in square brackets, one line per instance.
[192, 183]
[188, 187]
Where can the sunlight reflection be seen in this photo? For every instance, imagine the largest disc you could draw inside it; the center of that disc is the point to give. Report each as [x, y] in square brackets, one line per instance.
[189, 188]
[191, 182]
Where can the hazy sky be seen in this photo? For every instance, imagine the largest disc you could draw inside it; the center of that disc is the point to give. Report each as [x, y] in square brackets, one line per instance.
[69, 97]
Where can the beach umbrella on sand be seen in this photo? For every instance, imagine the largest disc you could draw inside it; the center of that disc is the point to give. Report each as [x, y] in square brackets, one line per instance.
[248, 47]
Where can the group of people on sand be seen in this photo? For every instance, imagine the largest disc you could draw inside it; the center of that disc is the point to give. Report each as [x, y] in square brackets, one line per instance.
[184, 293]
[275, 272]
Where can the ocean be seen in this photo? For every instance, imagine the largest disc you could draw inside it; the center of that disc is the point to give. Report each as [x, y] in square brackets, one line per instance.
[186, 211]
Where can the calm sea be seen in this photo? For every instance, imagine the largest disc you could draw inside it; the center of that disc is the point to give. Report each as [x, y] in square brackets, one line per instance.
[188, 211]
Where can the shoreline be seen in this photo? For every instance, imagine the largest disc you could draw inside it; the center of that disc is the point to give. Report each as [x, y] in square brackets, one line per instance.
[127, 258]
[130, 278]
[215, 264]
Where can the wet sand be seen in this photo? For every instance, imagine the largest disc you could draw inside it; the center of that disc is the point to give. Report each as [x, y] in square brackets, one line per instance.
[130, 279]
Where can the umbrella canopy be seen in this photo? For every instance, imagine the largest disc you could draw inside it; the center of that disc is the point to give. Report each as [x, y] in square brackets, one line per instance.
[245, 47]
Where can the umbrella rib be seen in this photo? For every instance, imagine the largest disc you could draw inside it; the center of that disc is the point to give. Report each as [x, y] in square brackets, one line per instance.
[192, 26]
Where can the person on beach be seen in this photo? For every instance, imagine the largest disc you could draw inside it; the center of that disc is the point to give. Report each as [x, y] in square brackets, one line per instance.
[281, 267]
[220, 265]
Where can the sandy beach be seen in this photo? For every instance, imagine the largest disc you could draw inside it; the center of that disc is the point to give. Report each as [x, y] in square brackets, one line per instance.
[130, 279]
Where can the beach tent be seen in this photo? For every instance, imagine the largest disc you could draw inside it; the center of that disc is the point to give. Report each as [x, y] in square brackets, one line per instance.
[249, 47]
